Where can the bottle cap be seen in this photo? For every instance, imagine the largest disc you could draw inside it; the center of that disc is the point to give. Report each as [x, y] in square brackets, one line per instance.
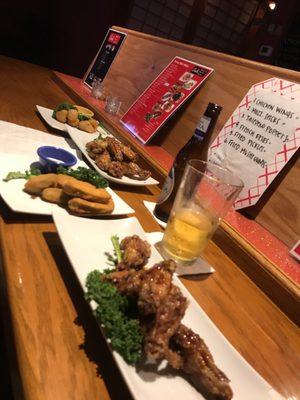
[214, 107]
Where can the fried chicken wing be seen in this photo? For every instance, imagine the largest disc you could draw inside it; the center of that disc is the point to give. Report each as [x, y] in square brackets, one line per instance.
[115, 149]
[136, 252]
[116, 169]
[135, 172]
[199, 364]
[128, 153]
[161, 307]
[103, 160]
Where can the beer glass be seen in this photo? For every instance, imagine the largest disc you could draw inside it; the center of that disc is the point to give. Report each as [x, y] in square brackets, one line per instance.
[205, 194]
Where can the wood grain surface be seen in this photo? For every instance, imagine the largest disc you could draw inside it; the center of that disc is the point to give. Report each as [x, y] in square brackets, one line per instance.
[56, 350]
[142, 57]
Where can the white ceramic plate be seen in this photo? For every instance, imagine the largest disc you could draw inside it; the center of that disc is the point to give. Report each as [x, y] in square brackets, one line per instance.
[19, 201]
[86, 251]
[46, 114]
[81, 138]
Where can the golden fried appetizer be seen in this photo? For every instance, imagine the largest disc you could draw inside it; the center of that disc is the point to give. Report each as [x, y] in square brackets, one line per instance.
[86, 191]
[61, 116]
[86, 126]
[55, 195]
[81, 206]
[36, 184]
[62, 179]
[72, 117]
[94, 122]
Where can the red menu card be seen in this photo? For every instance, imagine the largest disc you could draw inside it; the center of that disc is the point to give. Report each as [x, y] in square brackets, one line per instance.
[173, 86]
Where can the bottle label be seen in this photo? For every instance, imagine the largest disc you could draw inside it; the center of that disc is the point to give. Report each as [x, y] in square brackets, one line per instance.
[203, 124]
[167, 188]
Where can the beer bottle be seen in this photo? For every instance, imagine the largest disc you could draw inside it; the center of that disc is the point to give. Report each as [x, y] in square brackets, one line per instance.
[195, 148]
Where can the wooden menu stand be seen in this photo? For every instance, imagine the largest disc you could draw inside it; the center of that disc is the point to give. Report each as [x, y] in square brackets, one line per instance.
[140, 60]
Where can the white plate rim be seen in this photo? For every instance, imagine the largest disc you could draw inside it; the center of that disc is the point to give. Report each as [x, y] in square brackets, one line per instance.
[52, 206]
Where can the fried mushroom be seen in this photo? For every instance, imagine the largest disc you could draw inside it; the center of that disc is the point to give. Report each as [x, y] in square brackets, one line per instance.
[36, 184]
[81, 206]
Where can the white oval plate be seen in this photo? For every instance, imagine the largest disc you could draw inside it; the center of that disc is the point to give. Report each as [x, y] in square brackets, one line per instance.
[81, 138]
[144, 383]
[19, 201]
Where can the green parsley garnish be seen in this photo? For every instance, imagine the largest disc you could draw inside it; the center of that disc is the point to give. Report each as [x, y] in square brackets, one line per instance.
[84, 174]
[22, 175]
[63, 106]
[118, 315]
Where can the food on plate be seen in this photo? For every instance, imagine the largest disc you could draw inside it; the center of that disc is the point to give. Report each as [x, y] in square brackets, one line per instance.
[148, 308]
[80, 173]
[36, 184]
[62, 179]
[116, 158]
[76, 116]
[81, 190]
[81, 206]
[62, 116]
[55, 195]
[79, 197]
[85, 175]
[84, 111]
[86, 191]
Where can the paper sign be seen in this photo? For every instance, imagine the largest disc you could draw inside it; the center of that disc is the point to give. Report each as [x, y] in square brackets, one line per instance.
[173, 86]
[105, 56]
[260, 137]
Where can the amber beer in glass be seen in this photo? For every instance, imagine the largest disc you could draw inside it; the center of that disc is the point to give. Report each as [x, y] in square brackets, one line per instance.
[204, 196]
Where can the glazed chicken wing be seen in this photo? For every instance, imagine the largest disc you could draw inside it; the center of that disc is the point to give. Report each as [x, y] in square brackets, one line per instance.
[128, 153]
[136, 252]
[135, 172]
[115, 149]
[161, 308]
[116, 169]
[103, 160]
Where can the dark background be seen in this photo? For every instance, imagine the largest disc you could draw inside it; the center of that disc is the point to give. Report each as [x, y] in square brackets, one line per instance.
[65, 35]
[62, 35]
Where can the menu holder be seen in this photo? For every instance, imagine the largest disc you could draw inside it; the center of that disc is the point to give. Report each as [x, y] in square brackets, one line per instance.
[260, 137]
[105, 56]
[162, 98]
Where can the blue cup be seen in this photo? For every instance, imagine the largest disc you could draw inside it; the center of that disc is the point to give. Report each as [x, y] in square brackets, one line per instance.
[51, 157]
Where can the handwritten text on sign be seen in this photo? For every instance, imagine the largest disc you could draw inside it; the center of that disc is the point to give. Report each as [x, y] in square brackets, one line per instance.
[259, 134]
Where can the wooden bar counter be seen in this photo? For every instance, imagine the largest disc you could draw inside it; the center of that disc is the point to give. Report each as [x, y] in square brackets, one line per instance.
[55, 348]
